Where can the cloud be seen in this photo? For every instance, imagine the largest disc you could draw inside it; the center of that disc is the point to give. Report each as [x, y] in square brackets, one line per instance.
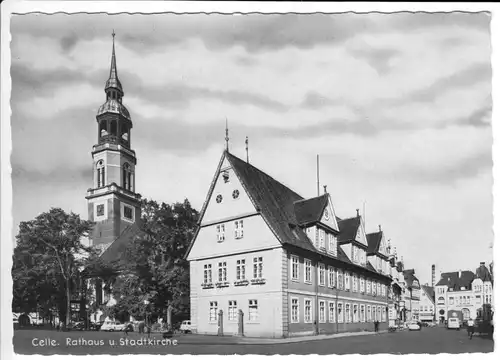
[379, 59]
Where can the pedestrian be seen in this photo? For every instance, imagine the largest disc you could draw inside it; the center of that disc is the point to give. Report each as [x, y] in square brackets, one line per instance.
[470, 328]
[141, 327]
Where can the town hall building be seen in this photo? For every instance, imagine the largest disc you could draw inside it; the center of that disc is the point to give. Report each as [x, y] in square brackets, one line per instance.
[267, 262]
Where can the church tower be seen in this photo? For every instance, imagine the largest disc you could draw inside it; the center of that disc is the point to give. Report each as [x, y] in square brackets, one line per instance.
[113, 203]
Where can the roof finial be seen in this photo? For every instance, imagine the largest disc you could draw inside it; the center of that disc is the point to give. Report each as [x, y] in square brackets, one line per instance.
[227, 137]
[380, 228]
[324, 187]
[246, 146]
[357, 212]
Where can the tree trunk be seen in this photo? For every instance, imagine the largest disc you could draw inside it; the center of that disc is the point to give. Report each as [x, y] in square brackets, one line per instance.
[68, 303]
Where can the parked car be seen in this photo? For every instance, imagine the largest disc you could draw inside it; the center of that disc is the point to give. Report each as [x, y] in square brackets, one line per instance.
[80, 326]
[413, 325]
[113, 325]
[96, 326]
[186, 326]
[453, 323]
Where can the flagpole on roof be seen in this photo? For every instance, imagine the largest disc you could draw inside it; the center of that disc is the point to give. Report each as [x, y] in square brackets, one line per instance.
[227, 137]
[317, 171]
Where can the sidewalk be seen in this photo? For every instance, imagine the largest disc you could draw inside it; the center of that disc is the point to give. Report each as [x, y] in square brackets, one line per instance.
[237, 340]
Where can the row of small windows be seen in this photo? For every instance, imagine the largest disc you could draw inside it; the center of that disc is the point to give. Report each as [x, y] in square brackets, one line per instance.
[232, 310]
[426, 308]
[336, 278]
[321, 236]
[221, 231]
[127, 175]
[241, 273]
[341, 313]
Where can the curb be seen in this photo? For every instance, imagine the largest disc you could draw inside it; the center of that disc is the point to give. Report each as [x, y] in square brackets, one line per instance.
[257, 341]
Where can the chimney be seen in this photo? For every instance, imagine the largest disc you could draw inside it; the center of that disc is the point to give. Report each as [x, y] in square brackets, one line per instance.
[380, 228]
[357, 212]
[324, 187]
[433, 278]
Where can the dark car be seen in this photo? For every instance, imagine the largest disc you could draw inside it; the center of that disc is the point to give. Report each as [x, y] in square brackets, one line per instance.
[96, 326]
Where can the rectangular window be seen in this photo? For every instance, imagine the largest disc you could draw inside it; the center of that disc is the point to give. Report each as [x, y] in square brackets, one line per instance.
[362, 313]
[348, 313]
[331, 277]
[379, 313]
[374, 288]
[321, 238]
[340, 277]
[362, 285]
[347, 278]
[307, 310]
[257, 267]
[295, 268]
[232, 313]
[452, 300]
[322, 274]
[383, 315]
[253, 310]
[207, 274]
[220, 233]
[127, 212]
[383, 289]
[238, 229]
[355, 313]
[295, 310]
[332, 244]
[340, 312]
[240, 269]
[307, 271]
[100, 210]
[222, 271]
[368, 286]
[213, 311]
[331, 312]
[378, 289]
[322, 311]
[368, 313]
[355, 283]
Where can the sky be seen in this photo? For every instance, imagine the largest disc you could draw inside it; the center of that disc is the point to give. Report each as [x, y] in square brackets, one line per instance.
[398, 106]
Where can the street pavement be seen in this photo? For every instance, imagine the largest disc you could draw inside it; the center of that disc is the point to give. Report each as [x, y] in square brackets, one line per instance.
[428, 340]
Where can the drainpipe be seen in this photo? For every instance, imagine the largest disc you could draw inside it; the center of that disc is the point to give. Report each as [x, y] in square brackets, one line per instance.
[316, 290]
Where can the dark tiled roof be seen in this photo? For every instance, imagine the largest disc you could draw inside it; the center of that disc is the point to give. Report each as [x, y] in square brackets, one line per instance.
[373, 240]
[115, 253]
[429, 291]
[452, 280]
[274, 200]
[370, 267]
[348, 229]
[309, 211]
[483, 273]
[277, 204]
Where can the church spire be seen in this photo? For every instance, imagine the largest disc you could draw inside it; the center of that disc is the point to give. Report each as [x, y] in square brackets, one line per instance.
[113, 82]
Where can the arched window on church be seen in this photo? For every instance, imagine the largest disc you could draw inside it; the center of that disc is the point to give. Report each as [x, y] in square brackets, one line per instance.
[100, 173]
[127, 177]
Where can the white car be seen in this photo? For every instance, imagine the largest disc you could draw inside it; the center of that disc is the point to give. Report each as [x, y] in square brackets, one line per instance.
[186, 326]
[113, 325]
[453, 323]
[413, 326]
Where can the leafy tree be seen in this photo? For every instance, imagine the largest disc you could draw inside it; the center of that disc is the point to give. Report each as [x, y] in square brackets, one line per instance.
[154, 267]
[47, 259]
